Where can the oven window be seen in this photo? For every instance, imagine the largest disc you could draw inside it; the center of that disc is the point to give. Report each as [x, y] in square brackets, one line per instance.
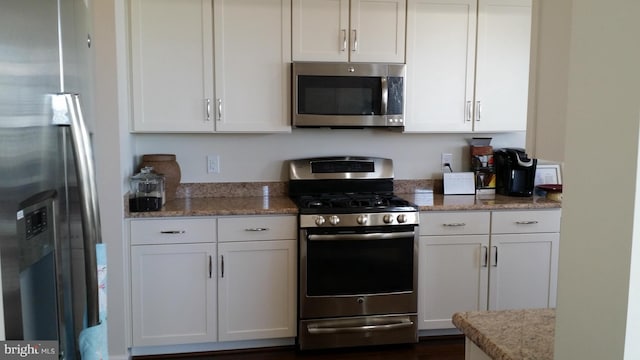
[352, 267]
[339, 95]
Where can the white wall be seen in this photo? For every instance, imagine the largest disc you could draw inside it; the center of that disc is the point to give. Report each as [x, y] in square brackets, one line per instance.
[598, 287]
[113, 148]
[262, 157]
[548, 95]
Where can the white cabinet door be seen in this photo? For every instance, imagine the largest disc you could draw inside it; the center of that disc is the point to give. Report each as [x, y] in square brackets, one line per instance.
[173, 294]
[523, 270]
[502, 65]
[172, 65]
[252, 65]
[343, 30]
[320, 30]
[257, 289]
[453, 277]
[440, 64]
[467, 65]
[452, 265]
[378, 30]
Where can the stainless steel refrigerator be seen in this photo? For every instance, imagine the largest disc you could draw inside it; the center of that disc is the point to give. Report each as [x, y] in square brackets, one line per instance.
[49, 220]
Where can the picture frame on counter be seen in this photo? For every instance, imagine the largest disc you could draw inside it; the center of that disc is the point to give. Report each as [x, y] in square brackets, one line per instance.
[548, 174]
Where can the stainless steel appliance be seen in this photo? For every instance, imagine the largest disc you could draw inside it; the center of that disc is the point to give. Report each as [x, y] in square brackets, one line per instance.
[49, 221]
[358, 254]
[348, 95]
[515, 172]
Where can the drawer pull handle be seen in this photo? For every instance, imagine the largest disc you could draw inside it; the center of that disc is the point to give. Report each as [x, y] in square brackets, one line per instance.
[454, 224]
[257, 229]
[172, 232]
[222, 266]
[529, 222]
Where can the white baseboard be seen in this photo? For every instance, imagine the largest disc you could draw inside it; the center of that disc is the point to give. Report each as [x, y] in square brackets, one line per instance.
[203, 347]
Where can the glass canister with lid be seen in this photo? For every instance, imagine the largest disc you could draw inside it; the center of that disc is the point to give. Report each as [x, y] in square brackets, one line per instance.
[147, 191]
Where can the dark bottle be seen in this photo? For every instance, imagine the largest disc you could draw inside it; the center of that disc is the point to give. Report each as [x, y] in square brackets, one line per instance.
[147, 191]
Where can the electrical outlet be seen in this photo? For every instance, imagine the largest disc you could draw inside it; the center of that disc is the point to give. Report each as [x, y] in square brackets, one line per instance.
[213, 164]
[446, 158]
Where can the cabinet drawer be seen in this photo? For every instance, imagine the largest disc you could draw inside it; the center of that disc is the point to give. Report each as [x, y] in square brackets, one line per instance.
[528, 221]
[170, 231]
[454, 223]
[248, 228]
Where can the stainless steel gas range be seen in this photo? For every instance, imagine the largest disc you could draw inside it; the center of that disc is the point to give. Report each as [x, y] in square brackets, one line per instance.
[358, 254]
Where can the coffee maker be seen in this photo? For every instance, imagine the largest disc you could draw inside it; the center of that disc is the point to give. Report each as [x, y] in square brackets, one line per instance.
[515, 172]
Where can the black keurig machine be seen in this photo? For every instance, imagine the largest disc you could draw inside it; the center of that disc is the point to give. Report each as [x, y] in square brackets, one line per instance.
[515, 172]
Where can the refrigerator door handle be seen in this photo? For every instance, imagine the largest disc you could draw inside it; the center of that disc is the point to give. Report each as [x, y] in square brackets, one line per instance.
[67, 112]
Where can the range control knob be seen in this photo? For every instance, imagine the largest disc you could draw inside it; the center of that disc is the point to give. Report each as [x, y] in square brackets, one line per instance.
[388, 219]
[334, 220]
[362, 219]
[402, 218]
[320, 220]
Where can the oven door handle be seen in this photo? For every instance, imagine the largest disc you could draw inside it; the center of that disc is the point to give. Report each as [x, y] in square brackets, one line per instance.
[318, 329]
[372, 236]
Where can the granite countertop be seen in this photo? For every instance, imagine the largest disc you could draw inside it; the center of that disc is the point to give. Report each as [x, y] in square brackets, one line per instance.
[439, 202]
[271, 198]
[510, 334]
[212, 206]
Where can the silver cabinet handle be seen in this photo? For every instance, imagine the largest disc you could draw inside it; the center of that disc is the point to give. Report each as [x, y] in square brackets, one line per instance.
[172, 232]
[454, 224]
[344, 40]
[468, 111]
[219, 101]
[485, 257]
[210, 266]
[354, 38]
[208, 109]
[257, 229]
[495, 256]
[478, 110]
[222, 266]
[528, 222]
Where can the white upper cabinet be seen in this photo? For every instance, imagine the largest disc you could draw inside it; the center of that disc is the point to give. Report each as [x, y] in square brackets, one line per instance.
[172, 65]
[252, 65]
[502, 65]
[467, 65]
[201, 69]
[343, 30]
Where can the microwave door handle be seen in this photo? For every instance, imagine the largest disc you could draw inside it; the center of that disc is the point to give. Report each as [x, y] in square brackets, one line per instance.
[385, 94]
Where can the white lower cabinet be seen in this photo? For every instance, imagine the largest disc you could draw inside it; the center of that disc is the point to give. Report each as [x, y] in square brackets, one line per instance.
[173, 282]
[257, 277]
[524, 259]
[481, 260]
[453, 274]
[186, 288]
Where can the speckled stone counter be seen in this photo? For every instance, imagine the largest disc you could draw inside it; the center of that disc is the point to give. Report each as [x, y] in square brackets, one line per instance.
[510, 334]
[222, 206]
[264, 198]
[439, 202]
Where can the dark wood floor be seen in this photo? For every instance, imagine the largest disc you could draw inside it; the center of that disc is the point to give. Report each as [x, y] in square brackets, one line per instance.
[431, 348]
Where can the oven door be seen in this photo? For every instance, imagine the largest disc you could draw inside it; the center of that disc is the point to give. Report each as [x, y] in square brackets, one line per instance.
[358, 271]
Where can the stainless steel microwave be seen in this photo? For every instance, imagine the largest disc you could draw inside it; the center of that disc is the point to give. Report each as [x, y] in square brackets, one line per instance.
[348, 95]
